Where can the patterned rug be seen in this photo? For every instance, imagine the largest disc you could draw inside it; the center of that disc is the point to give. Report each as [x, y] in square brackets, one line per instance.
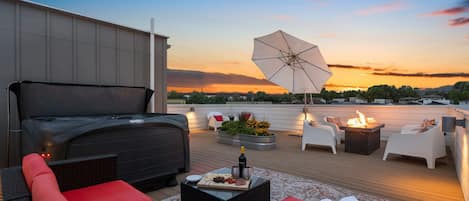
[284, 185]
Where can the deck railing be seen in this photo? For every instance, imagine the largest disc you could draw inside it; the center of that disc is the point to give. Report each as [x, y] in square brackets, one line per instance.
[289, 117]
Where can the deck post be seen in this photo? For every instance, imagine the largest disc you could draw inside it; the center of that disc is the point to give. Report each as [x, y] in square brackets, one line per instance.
[152, 63]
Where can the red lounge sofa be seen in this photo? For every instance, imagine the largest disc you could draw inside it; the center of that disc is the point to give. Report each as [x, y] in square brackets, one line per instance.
[88, 179]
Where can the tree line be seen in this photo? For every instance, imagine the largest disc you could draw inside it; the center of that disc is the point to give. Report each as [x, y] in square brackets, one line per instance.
[459, 92]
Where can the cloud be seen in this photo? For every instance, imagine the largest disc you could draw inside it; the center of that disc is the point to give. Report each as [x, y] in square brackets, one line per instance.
[463, 7]
[199, 79]
[344, 86]
[351, 67]
[432, 75]
[383, 8]
[460, 21]
[449, 11]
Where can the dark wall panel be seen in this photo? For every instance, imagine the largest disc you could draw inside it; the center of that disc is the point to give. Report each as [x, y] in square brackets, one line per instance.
[86, 71]
[160, 74]
[32, 43]
[44, 44]
[61, 48]
[108, 54]
[7, 67]
[141, 56]
[126, 57]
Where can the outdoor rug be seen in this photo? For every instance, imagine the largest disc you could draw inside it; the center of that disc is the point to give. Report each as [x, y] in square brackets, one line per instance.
[283, 185]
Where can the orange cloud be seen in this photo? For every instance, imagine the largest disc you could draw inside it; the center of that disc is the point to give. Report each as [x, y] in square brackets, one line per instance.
[460, 21]
[383, 8]
[350, 67]
[441, 75]
[449, 11]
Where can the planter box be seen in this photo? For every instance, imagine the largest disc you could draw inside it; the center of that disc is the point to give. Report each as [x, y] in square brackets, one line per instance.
[248, 141]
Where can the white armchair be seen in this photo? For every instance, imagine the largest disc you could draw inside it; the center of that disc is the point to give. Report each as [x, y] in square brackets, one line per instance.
[318, 135]
[212, 121]
[429, 145]
[340, 134]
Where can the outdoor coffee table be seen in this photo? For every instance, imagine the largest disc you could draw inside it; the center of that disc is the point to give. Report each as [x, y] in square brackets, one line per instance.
[259, 190]
[363, 140]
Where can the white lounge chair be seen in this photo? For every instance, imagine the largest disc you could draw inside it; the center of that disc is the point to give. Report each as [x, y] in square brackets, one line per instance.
[429, 145]
[318, 135]
[213, 122]
[340, 134]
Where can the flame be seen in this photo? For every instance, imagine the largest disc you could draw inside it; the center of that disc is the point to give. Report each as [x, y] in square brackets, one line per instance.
[360, 121]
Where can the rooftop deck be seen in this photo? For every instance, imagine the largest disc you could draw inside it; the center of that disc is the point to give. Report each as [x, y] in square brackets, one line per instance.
[399, 178]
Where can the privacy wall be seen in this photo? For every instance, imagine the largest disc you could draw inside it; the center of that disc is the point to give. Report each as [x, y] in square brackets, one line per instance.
[44, 44]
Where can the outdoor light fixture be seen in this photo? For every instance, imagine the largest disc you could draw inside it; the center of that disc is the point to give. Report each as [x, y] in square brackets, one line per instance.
[305, 112]
[450, 123]
[192, 109]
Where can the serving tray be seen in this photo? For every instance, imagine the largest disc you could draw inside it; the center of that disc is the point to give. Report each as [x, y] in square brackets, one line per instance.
[207, 182]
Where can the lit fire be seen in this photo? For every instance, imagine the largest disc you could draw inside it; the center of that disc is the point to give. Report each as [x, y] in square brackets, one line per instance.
[360, 121]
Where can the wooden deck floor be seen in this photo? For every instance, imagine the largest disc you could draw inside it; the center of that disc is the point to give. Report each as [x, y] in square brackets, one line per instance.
[399, 178]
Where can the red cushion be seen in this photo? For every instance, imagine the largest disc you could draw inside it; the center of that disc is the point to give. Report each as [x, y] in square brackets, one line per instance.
[45, 188]
[110, 191]
[33, 166]
[290, 198]
[218, 117]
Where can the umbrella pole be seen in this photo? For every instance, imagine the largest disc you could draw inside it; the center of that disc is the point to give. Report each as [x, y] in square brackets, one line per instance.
[304, 106]
[311, 98]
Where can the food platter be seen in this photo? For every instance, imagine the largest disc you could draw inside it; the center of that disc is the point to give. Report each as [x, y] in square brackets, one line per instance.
[215, 181]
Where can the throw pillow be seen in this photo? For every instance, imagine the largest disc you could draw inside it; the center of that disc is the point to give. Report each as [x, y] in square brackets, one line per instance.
[334, 120]
[313, 123]
[218, 117]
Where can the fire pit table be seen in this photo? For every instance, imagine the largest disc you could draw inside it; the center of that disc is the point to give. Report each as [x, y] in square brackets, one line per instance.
[362, 140]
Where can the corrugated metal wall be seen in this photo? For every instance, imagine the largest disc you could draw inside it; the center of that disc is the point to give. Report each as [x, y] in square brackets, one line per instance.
[43, 44]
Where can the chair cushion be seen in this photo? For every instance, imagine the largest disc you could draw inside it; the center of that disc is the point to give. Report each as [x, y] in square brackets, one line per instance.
[246, 115]
[45, 188]
[110, 191]
[218, 117]
[291, 198]
[334, 120]
[33, 166]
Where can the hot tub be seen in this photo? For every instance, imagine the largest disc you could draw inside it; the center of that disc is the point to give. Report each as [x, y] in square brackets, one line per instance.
[64, 121]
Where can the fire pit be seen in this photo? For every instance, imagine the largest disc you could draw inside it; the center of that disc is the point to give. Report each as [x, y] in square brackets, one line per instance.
[362, 135]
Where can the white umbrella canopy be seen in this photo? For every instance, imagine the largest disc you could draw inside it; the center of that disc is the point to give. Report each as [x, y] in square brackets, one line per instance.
[292, 63]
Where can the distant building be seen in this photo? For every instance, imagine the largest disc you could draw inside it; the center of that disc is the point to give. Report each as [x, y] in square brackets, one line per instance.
[248, 102]
[357, 100]
[433, 100]
[464, 102]
[338, 100]
[408, 101]
[176, 101]
[317, 100]
[382, 101]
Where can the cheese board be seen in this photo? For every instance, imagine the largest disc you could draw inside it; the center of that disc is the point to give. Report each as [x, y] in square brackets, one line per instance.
[223, 182]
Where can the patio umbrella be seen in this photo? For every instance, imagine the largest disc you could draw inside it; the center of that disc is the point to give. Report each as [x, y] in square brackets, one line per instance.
[291, 63]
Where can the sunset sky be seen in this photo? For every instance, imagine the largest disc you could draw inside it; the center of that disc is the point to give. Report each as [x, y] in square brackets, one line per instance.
[398, 42]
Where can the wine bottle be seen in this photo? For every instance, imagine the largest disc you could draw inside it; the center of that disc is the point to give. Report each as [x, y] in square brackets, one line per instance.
[242, 162]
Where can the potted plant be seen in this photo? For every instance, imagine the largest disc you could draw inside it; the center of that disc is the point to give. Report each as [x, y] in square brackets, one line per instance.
[250, 133]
